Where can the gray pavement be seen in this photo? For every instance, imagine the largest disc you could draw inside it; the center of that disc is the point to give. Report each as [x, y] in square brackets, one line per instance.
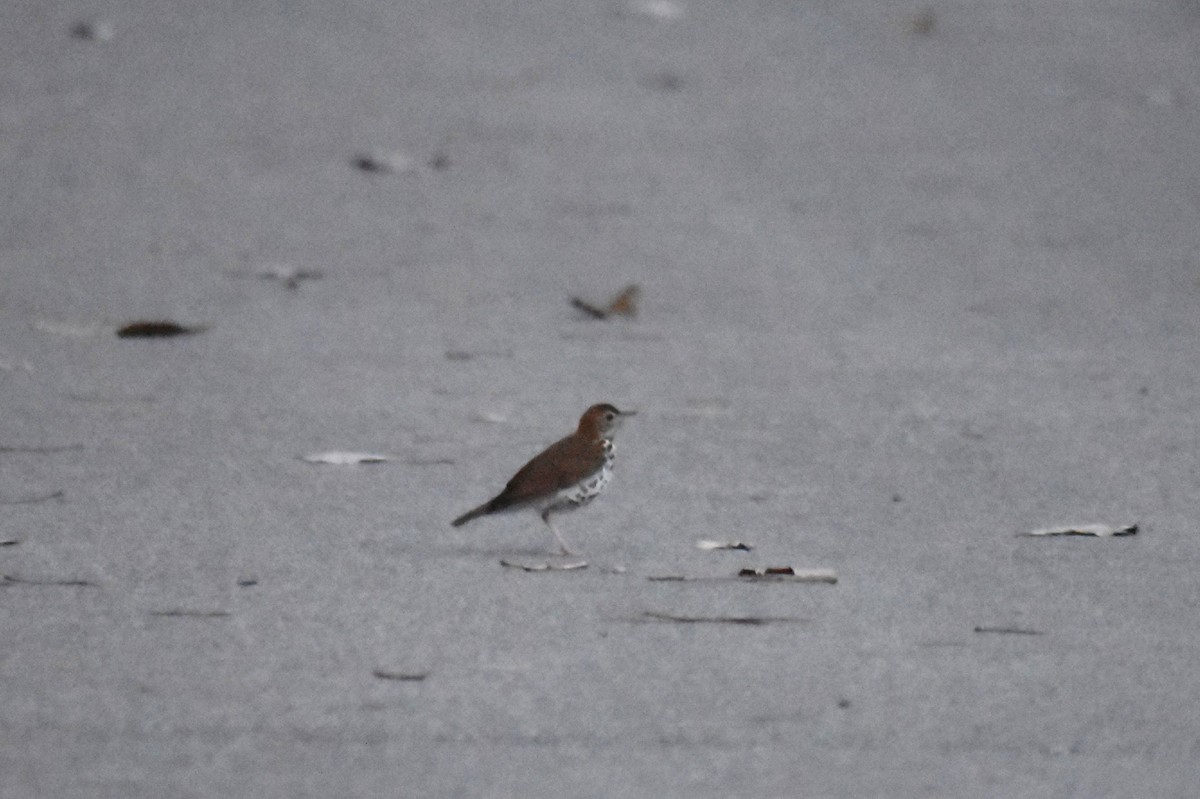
[916, 278]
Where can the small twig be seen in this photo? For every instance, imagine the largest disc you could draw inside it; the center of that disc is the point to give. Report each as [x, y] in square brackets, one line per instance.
[51, 448]
[400, 676]
[1008, 631]
[10, 579]
[31, 500]
[589, 309]
[651, 615]
[199, 614]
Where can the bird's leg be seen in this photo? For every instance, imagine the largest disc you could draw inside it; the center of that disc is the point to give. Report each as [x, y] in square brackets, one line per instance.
[561, 543]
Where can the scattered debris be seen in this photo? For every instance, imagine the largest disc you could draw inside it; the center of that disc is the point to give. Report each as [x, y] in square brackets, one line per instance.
[711, 545]
[12, 579]
[430, 462]
[624, 304]
[1008, 630]
[400, 676]
[246, 582]
[198, 614]
[344, 458]
[51, 448]
[651, 615]
[783, 574]
[383, 163]
[10, 542]
[788, 573]
[843, 703]
[543, 566]
[489, 417]
[31, 500]
[98, 30]
[1097, 530]
[160, 328]
[440, 162]
[923, 23]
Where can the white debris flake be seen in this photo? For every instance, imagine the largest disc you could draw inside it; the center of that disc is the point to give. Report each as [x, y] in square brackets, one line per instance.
[345, 458]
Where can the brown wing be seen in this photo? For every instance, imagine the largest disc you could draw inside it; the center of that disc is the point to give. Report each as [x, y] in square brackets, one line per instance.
[559, 466]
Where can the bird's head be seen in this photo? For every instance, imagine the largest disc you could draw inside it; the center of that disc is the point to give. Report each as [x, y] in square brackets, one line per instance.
[602, 419]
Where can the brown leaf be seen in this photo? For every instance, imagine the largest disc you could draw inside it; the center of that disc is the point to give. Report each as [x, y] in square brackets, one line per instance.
[624, 304]
[155, 329]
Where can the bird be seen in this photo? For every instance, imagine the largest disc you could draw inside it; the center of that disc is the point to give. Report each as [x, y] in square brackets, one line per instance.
[565, 476]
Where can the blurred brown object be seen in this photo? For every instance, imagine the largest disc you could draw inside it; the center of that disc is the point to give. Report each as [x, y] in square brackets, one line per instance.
[624, 304]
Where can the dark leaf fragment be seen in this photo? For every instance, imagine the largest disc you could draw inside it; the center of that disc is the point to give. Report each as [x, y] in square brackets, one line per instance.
[31, 500]
[400, 676]
[383, 163]
[789, 573]
[93, 30]
[1008, 630]
[11, 579]
[50, 448]
[161, 328]
[779, 574]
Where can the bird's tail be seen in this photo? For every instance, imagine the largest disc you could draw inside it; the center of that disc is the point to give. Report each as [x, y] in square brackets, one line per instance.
[475, 513]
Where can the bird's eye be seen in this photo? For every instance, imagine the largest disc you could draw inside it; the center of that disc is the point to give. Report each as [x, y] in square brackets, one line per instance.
[608, 417]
